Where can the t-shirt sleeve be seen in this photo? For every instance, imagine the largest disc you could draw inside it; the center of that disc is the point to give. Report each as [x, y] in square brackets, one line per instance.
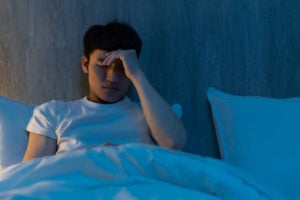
[44, 119]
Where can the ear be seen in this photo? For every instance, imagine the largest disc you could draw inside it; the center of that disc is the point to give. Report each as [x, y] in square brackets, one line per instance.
[84, 64]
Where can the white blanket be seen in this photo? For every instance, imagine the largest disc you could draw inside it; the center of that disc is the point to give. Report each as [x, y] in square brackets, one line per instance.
[132, 171]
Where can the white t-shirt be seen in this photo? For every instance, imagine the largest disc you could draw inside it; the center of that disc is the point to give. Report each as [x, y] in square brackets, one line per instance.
[82, 123]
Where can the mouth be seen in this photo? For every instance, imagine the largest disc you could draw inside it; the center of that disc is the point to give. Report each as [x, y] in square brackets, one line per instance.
[110, 88]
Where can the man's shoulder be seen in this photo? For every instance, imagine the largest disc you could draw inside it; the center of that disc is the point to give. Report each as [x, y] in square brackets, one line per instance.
[56, 105]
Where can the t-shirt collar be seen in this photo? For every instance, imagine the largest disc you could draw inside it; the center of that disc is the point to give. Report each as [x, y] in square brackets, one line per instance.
[94, 105]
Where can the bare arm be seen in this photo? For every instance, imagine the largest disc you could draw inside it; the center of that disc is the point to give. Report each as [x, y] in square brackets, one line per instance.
[166, 128]
[39, 146]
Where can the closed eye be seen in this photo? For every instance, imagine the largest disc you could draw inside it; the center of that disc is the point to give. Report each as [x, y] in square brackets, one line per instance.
[101, 65]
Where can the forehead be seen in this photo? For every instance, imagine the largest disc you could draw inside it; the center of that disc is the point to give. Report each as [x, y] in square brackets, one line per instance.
[98, 54]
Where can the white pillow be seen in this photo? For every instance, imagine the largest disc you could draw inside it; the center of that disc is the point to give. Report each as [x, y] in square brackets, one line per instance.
[260, 135]
[14, 116]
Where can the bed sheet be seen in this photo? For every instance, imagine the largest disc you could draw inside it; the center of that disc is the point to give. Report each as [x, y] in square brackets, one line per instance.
[132, 171]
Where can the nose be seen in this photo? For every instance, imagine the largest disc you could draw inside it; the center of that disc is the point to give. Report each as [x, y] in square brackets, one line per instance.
[112, 74]
[112, 77]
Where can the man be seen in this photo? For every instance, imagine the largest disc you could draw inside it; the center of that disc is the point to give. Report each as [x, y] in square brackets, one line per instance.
[106, 115]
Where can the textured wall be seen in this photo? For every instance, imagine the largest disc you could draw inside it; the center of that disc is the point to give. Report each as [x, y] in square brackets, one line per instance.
[240, 46]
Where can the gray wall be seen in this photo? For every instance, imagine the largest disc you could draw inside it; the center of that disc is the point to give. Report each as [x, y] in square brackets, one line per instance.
[240, 46]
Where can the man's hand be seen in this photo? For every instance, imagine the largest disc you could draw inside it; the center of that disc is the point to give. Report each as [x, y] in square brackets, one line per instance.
[166, 129]
[128, 58]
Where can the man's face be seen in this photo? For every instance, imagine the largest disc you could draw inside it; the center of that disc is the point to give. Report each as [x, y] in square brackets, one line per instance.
[108, 84]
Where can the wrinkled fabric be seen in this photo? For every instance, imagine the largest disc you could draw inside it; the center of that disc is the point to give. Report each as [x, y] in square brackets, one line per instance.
[132, 171]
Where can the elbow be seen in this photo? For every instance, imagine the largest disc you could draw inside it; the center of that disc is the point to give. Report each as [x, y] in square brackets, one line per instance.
[177, 143]
[180, 141]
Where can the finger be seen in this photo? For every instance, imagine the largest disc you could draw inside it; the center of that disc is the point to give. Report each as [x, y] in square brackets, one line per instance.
[109, 59]
[113, 55]
[113, 52]
[108, 53]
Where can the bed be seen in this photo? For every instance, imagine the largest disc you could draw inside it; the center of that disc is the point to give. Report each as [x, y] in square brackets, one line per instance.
[132, 171]
[252, 165]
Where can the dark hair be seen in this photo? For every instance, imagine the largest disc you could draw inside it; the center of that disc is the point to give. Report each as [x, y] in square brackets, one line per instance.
[112, 36]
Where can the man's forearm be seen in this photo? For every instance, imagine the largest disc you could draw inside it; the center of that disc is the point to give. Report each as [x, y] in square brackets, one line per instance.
[165, 126]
